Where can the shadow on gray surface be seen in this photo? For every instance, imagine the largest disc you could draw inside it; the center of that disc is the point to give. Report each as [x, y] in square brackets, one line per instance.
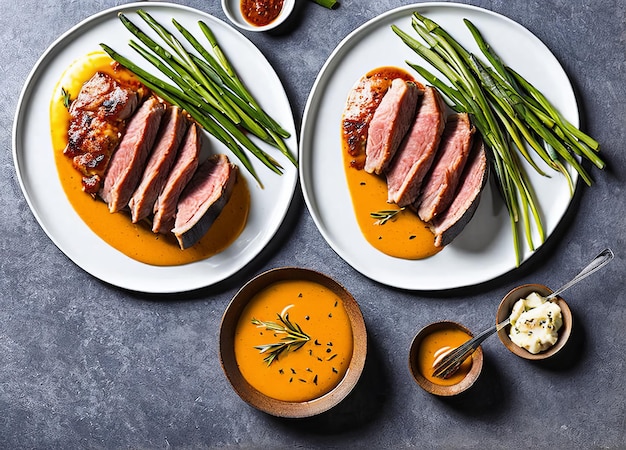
[571, 354]
[487, 397]
[359, 409]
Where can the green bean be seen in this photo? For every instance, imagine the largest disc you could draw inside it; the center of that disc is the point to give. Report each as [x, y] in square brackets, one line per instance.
[206, 86]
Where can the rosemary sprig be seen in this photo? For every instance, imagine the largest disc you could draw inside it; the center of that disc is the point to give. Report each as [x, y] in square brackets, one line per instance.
[66, 98]
[383, 216]
[295, 338]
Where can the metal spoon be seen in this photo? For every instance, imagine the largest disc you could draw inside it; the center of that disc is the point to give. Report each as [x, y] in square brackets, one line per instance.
[449, 362]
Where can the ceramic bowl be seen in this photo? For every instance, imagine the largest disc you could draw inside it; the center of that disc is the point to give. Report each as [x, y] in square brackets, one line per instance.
[437, 389]
[232, 9]
[504, 310]
[285, 408]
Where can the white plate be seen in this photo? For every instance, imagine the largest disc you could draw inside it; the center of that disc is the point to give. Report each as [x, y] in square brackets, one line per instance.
[34, 161]
[485, 248]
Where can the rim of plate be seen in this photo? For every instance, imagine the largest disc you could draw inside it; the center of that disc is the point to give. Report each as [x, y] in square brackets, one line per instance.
[173, 283]
[312, 108]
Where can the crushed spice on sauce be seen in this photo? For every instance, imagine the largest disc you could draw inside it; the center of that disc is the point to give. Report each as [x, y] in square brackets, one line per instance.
[261, 12]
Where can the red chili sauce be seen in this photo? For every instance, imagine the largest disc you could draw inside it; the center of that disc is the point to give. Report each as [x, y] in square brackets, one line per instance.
[261, 12]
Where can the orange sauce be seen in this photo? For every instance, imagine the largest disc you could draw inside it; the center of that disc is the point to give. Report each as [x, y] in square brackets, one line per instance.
[261, 12]
[310, 371]
[433, 345]
[137, 241]
[405, 235]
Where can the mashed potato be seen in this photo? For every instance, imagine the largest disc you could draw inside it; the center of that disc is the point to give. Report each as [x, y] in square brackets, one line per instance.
[535, 323]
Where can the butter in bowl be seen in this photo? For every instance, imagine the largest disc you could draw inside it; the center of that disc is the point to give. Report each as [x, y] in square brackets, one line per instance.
[539, 329]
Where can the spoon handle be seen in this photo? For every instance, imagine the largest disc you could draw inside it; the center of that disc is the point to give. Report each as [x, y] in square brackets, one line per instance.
[450, 361]
[599, 261]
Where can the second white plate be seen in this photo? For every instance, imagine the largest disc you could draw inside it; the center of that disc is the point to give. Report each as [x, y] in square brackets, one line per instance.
[485, 248]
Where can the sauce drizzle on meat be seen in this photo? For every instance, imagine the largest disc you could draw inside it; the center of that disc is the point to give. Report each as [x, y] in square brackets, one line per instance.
[98, 119]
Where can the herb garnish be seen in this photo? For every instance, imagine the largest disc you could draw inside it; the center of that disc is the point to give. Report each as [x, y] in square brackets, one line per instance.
[384, 215]
[294, 339]
[66, 98]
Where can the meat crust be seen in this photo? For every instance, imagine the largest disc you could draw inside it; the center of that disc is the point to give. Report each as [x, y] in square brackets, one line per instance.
[363, 99]
[97, 121]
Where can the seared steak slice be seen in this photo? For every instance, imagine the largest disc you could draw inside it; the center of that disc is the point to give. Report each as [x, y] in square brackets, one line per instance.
[203, 199]
[449, 224]
[159, 163]
[184, 167]
[390, 122]
[97, 120]
[440, 185]
[129, 160]
[417, 151]
[363, 99]
[106, 97]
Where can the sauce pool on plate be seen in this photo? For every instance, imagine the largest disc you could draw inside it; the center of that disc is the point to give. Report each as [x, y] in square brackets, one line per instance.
[313, 369]
[404, 235]
[136, 241]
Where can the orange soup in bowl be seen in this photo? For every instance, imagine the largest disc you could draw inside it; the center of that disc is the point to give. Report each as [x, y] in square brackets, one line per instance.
[293, 341]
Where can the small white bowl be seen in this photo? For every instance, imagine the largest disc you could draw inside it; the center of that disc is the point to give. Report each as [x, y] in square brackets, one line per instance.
[232, 9]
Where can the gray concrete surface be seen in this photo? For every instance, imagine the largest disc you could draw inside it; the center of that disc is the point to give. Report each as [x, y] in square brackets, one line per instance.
[86, 365]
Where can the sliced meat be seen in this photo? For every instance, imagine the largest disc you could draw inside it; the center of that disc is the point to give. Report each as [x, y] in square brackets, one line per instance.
[97, 120]
[442, 181]
[390, 122]
[417, 151]
[184, 167]
[128, 162]
[363, 99]
[157, 169]
[449, 224]
[203, 199]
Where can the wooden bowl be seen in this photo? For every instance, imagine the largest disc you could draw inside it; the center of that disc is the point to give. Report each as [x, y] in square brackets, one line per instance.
[232, 9]
[437, 389]
[280, 408]
[504, 311]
